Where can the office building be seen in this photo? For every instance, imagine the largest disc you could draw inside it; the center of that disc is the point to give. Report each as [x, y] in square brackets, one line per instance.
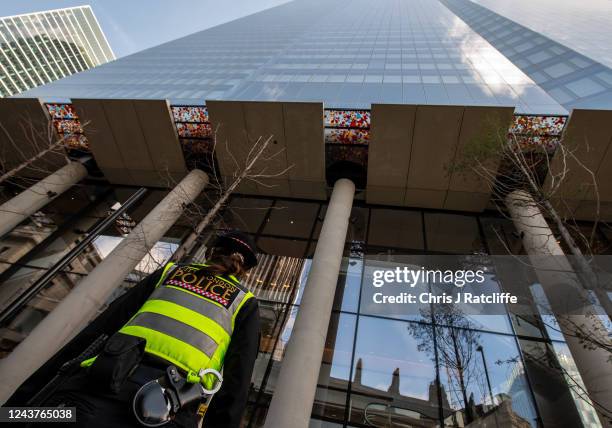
[38, 48]
[366, 105]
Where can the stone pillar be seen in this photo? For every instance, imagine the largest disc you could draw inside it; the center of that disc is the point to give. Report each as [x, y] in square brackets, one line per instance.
[40, 194]
[83, 302]
[567, 298]
[296, 387]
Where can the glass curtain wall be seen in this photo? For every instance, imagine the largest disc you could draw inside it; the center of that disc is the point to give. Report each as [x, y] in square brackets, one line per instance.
[383, 369]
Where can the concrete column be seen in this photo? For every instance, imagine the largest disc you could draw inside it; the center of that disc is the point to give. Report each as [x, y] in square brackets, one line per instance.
[296, 387]
[34, 198]
[568, 300]
[83, 302]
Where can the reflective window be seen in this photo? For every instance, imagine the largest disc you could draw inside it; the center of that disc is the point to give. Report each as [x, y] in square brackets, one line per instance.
[482, 377]
[282, 247]
[449, 233]
[393, 376]
[396, 229]
[289, 218]
[246, 214]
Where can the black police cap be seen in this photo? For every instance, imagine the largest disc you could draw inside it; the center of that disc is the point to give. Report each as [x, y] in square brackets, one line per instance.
[239, 242]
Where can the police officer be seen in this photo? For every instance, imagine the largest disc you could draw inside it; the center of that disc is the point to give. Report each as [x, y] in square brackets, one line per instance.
[185, 318]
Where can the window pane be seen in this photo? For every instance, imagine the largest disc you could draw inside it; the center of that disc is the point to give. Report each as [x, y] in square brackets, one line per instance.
[451, 233]
[335, 363]
[483, 378]
[349, 284]
[291, 219]
[276, 278]
[549, 386]
[501, 236]
[330, 399]
[393, 377]
[357, 227]
[282, 247]
[246, 214]
[396, 228]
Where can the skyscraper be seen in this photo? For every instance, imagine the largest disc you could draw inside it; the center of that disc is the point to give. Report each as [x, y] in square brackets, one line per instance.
[350, 55]
[38, 48]
[373, 103]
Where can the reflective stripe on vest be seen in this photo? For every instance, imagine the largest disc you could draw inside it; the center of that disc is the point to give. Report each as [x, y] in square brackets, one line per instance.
[189, 319]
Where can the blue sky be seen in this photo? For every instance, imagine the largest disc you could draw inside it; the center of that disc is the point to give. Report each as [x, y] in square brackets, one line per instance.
[133, 25]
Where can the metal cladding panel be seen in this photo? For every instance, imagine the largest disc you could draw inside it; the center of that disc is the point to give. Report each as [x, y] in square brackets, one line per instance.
[305, 140]
[389, 151]
[232, 146]
[424, 198]
[102, 142]
[133, 142]
[434, 143]
[297, 140]
[25, 133]
[161, 137]
[305, 145]
[588, 135]
[127, 133]
[436, 133]
[265, 120]
[391, 143]
[467, 190]
[413, 150]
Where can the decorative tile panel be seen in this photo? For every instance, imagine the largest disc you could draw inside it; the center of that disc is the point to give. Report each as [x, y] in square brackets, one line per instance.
[532, 131]
[68, 126]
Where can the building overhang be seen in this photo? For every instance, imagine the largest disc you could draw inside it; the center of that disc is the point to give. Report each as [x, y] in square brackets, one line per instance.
[414, 149]
[133, 142]
[296, 130]
[584, 170]
[411, 149]
[26, 132]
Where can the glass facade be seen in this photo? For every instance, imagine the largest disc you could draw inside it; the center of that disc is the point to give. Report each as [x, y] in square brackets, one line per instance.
[552, 58]
[41, 47]
[385, 369]
[584, 27]
[415, 52]
[379, 368]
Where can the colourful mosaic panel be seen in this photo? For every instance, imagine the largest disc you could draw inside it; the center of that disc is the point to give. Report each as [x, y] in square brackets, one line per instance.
[194, 130]
[76, 141]
[537, 132]
[193, 114]
[68, 126]
[347, 136]
[532, 142]
[347, 126]
[62, 111]
[347, 119]
[538, 125]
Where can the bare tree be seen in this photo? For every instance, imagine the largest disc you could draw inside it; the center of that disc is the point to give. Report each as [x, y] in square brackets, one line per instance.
[254, 168]
[506, 162]
[453, 337]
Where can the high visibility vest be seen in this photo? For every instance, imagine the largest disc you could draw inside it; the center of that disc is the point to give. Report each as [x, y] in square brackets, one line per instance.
[189, 319]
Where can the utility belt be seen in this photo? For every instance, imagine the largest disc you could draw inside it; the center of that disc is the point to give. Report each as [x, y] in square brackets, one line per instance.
[157, 401]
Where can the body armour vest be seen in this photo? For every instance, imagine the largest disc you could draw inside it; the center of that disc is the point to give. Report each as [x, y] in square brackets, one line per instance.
[189, 319]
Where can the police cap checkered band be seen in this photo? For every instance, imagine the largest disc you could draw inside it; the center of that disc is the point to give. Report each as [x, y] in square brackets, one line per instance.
[239, 242]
